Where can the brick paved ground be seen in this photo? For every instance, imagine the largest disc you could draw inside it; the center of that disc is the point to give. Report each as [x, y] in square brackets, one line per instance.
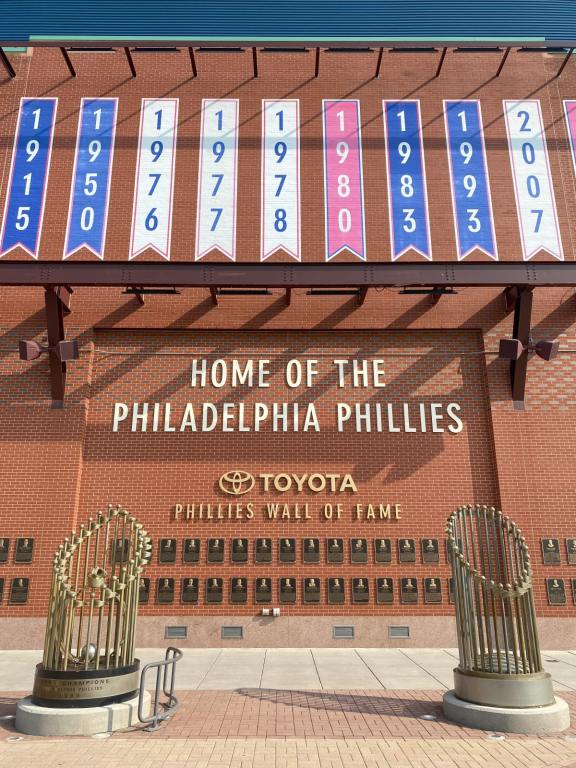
[249, 728]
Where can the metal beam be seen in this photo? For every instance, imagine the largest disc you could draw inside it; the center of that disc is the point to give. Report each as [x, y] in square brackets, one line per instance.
[441, 62]
[362, 293]
[522, 328]
[288, 296]
[68, 61]
[379, 63]
[192, 61]
[214, 295]
[317, 64]
[55, 328]
[565, 62]
[130, 60]
[503, 61]
[255, 61]
[6, 62]
[298, 275]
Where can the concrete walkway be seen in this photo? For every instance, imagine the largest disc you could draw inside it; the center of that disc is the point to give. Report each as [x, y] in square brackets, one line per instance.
[302, 668]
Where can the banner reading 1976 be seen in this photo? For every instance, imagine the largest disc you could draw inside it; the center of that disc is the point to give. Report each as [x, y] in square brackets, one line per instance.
[407, 193]
[535, 200]
[473, 217]
[24, 209]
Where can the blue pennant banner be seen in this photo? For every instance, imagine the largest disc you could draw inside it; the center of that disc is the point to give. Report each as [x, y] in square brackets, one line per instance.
[473, 217]
[24, 209]
[89, 198]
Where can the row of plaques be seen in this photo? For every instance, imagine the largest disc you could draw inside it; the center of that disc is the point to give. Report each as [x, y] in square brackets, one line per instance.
[311, 590]
[22, 553]
[287, 550]
[551, 551]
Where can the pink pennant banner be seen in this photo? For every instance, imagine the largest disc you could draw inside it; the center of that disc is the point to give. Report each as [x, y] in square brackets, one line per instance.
[343, 180]
[570, 111]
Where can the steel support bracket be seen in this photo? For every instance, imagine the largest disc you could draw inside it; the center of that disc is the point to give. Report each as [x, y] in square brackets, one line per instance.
[521, 331]
[54, 304]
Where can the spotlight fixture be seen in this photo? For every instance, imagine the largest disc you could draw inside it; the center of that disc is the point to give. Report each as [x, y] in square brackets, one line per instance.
[65, 350]
[513, 349]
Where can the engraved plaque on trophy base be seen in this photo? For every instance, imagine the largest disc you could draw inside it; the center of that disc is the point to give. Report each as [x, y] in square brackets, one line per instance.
[336, 591]
[550, 551]
[408, 591]
[384, 590]
[189, 592]
[335, 550]
[556, 591]
[432, 590]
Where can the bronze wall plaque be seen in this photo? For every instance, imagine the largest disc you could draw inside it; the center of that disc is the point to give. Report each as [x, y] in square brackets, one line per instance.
[24, 549]
[1, 589]
[556, 591]
[191, 551]
[451, 590]
[311, 590]
[430, 551]
[573, 591]
[409, 590]
[432, 590]
[287, 550]
[550, 551]
[19, 591]
[165, 591]
[406, 551]
[120, 550]
[238, 589]
[143, 590]
[311, 550]
[335, 550]
[189, 593]
[4, 547]
[239, 550]
[571, 551]
[336, 590]
[214, 590]
[215, 550]
[263, 552]
[263, 590]
[384, 590]
[382, 550]
[360, 590]
[358, 550]
[287, 590]
[167, 551]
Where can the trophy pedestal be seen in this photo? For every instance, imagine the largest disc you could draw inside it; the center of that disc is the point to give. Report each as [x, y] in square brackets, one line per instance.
[78, 721]
[551, 718]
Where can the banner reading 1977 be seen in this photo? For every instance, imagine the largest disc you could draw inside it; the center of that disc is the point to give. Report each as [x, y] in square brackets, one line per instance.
[473, 217]
[535, 200]
[24, 209]
[407, 193]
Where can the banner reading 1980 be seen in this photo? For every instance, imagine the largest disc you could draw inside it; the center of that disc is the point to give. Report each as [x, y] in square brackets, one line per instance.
[473, 217]
[535, 200]
[407, 194]
[24, 209]
[89, 197]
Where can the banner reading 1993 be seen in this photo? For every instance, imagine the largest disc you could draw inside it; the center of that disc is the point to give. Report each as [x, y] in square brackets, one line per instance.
[407, 194]
[535, 200]
[473, 217]
[280, 177]
[24, 209]
[89, 197]
[152, 215]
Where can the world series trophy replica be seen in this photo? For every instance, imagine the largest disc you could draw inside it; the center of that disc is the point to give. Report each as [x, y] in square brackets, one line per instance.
[89, 646]
[500, 683]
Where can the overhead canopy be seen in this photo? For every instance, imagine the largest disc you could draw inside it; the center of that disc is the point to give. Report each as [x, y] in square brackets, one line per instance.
[354, 21]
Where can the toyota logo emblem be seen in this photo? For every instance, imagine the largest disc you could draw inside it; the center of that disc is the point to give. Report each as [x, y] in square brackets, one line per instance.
[236, 482]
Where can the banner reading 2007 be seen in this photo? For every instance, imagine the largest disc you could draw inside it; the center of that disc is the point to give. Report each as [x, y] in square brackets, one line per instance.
[535, 200]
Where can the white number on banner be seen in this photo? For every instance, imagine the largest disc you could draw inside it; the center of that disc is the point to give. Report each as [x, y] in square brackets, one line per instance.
[217, 178]
[535, 200]
[154, 187]
[280, 178]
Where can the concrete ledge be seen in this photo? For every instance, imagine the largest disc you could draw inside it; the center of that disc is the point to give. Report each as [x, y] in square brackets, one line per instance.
[87, 721]
[553, 718]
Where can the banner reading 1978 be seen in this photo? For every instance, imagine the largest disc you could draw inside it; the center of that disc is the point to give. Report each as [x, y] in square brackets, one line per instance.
[535, 200]
[407, 193]
[473, 217]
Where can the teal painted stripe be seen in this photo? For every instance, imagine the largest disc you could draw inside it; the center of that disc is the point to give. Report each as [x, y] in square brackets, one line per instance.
[275, 38]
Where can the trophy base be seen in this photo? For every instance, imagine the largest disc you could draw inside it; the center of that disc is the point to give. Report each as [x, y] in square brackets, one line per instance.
[85, 688]
[501, 690]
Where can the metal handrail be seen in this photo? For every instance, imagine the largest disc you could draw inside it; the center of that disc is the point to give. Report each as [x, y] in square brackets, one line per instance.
[165, 667]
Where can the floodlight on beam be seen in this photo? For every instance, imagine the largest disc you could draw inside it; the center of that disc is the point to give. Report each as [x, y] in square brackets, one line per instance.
[513, 349]
[64, 350]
